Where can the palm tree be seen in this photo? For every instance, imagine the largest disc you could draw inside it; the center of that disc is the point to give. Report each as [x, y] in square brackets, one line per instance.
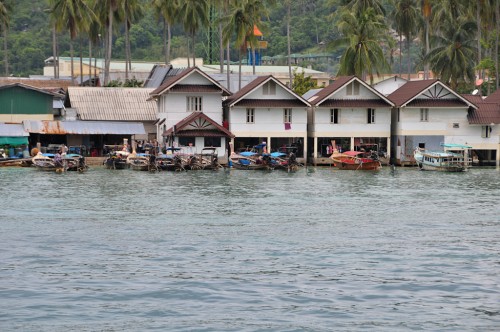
[193, 15]
[73, 15]
[289, 51]
[256, 10]
[406, 18]
[5, 8]
[167, 10]
[362, 34]
[359, 6]
[426, 8]
[132, 12]
[239, 23]
[453, 59]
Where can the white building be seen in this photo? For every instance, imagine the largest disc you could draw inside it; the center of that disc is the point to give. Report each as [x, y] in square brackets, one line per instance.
[348, 115]
[266, 110]
[190, 112]
[428, 113]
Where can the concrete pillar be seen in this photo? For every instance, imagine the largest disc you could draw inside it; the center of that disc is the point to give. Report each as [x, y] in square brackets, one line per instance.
[352, 143]
[315, 151]
[305, 149]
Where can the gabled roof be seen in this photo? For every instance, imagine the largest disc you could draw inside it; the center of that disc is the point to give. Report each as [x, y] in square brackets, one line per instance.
[408, 94]
[494, 97]
[258, 82]
[38, 83]
[198, 124]
[28, 87]
[112, 104]
[485, 114]
[325, 93]
[175, 80]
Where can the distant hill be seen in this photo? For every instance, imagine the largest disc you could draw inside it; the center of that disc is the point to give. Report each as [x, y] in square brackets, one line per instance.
[30, 37]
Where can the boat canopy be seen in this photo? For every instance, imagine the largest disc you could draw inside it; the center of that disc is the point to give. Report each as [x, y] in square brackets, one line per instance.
[455, 146]
[247, 153]
[351, 153]
[278, 154]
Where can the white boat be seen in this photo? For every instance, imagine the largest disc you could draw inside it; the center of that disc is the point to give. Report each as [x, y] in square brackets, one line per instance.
[454, 158]
[138, 161]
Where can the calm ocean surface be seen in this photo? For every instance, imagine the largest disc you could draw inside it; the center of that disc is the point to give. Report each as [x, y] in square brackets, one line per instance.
[318, 250]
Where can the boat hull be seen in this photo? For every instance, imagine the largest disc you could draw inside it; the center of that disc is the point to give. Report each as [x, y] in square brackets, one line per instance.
[351, 165]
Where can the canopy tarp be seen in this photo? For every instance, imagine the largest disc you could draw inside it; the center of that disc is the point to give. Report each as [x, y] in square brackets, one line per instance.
[14, 141]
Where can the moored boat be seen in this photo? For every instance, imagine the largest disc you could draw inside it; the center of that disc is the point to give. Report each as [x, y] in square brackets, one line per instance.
[455, 160]
[139, 161]
[355, 160]
[117, 160]
[249, 160]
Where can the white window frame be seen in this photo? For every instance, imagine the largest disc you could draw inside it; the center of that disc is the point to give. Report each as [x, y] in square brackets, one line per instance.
[287, 115]
[250, 115]
[194, 104]
[334, 115]
[424, 115]
[371, 115]
[486, 131]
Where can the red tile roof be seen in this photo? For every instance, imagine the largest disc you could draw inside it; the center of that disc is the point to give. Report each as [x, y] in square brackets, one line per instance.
[322, 96]
[170, 83]
[182, 127]
[410, 90]
[270, 103]
[486, 114]
[494, 97]
[336, 103]
[436, 103]
[475, 99]
[328, 90]
[239, 96]
[194, 88]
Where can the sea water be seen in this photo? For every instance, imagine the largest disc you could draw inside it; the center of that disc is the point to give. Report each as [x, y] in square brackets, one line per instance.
[233, 250]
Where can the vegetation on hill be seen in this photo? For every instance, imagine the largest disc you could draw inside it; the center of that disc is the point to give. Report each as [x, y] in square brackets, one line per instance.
[457, 40]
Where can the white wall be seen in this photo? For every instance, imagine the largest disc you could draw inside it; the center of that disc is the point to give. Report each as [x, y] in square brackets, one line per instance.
[268, 122]
[172, 107]
[353, 122]
[440, 122]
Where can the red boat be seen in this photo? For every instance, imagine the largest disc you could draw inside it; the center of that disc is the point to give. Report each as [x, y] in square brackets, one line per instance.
[355, 160]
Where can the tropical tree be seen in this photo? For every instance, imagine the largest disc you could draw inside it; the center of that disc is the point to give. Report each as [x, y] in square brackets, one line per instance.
[426, 8]
[361, 36]
[237, 23]
[454, 57]
[167, 10]
[5, 9]
[406, 18]
[194, 15]
[359, 6]
[132, 11]
[288, 5]
[73, 15]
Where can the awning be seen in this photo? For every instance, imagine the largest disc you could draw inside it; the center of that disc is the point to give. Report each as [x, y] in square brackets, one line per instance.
[12, 130]
[84, 127]
[13, 141]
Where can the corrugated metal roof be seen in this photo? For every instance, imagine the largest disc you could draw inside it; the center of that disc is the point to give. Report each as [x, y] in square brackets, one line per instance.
[84, 127]
[12, 130]
[112, 104]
